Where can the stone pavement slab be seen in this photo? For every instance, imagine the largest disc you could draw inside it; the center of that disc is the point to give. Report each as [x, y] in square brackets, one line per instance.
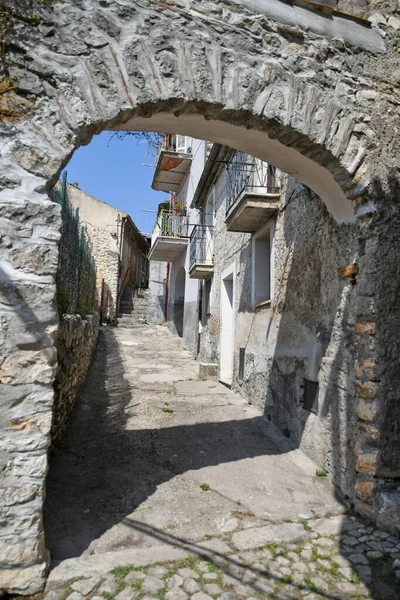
[275, 571]
[159, 470]
[143, 457]
[259, 536]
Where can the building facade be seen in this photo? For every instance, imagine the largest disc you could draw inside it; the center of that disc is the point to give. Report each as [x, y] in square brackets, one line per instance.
[118, 248]
[254, 291]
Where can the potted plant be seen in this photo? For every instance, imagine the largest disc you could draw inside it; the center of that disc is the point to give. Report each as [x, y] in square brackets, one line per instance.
[179, 209]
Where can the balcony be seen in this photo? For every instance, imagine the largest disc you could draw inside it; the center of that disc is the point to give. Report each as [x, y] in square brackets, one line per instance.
[252, 196]
[172, 164]
[170, 236]
[201, 252]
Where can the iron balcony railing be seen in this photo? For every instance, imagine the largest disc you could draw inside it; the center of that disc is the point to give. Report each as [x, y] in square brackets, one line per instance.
[171, 224]
[176, 143]
[248, 174]
[202, 245]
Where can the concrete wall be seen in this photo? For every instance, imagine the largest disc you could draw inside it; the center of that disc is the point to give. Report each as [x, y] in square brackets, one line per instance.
[305, 333]
[76, 340]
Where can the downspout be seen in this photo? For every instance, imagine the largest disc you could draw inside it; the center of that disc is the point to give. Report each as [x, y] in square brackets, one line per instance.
[171, 205]
[120, 282]
[166, 293]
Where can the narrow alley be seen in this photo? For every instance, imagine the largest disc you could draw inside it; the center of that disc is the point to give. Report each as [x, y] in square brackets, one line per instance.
[160, 468]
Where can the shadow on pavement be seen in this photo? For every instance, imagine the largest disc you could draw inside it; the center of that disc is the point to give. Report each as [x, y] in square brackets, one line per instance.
[101, 472]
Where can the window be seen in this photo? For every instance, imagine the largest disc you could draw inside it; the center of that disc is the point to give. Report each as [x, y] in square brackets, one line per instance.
[208, 213]
[262, 265]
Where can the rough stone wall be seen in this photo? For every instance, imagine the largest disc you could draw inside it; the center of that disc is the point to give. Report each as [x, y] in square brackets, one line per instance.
[100, 222]
[311, 311]
[76, 340]
[322, 106]
[111, 278]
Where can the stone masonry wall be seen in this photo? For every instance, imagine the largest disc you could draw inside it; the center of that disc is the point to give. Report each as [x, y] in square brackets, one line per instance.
[311, 311]
[101, 223]
[321, 97]
[76, 341]
[111, 278]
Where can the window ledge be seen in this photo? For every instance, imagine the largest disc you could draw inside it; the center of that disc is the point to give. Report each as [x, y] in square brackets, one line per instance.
[263, 304]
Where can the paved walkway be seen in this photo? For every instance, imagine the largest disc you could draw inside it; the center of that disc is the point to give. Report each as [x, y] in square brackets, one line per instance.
[170, 487]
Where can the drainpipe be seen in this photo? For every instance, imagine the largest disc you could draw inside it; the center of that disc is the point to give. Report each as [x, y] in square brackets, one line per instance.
[171, 206]
[119, 281]
[166, 293]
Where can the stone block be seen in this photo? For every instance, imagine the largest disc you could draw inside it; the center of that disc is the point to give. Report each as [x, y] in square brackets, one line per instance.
[328, 526]
[27, 466]
[25, 580]
[365, 458]
[29, 367]
[368, 389]
[365, 490]
[363, 508]
[387, 510]
[368, 429]
[35, 259]
[367, 410]
[84, 586]
[362, 328]
[18, 552]
[394, 22]
[366, 370]
[258, 536]
[208, 371]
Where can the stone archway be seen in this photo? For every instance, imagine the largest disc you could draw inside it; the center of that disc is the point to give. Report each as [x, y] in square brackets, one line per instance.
[304, 100]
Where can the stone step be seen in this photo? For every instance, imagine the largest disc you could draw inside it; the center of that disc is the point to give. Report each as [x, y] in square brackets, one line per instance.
[134, 302]
[132, 292]
[100, 564]
[127, 316]
[132, 315]
[131, 324]
[132, 306]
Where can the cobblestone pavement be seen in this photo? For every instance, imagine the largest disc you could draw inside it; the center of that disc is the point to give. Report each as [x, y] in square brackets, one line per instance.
[358, 563]
[167, 487]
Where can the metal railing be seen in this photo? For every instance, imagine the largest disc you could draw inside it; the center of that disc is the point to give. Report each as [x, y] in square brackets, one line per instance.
[246, 173]
[171, 224]
[202, 245]
[176, 143]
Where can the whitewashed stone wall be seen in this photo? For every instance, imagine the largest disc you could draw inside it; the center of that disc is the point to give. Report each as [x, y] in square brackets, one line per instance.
[76, 341]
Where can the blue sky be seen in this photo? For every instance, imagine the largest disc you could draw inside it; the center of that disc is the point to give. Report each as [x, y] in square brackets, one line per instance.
[111, 170]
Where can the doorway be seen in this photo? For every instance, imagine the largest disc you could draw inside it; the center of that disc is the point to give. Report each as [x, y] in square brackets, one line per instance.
[227, 331]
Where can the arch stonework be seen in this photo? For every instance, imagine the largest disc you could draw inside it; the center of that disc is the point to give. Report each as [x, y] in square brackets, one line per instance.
[310, 101]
